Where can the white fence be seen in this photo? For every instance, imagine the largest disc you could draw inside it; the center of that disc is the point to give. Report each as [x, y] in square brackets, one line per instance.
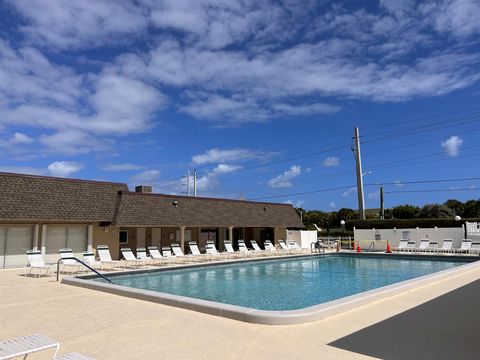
[393, 236]
[302, 238]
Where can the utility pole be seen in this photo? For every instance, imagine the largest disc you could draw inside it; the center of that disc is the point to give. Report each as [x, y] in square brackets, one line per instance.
[382, 207]
[188, 183]
[358, 158]
[195, 183]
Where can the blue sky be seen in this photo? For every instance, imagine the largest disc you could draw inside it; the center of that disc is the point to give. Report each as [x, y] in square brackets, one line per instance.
[261, 97]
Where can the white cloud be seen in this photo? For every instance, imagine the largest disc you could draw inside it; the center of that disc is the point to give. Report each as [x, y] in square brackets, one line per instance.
[63, 168]
[19, 138]
[332, 205]
[226, 169]
[349, 191]
[121, 167]
[456, 17]
[295, 203]
[398, 7]
[285, 179]
[147, 177]
[78, 24]
[452, 145]
[217, 155]
[80, 110]
[398, 183]
[331, 161]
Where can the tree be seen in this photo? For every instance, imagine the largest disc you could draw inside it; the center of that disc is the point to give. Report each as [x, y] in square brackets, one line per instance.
[346, 214]
[436, 211]
[471, 209]
[405, 211]
[457, 206]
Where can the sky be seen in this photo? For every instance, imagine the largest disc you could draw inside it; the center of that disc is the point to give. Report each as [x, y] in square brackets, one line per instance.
[260, 97]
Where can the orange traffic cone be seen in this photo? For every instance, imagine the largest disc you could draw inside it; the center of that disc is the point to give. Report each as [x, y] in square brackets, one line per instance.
[389, 249]
[359, 248]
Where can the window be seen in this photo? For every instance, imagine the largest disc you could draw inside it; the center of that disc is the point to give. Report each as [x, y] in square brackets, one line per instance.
[123, 237]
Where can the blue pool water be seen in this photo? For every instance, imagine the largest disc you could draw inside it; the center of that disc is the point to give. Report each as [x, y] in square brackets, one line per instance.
[285, 284]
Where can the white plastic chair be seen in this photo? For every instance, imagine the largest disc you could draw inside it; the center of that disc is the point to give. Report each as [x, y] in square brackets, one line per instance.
[465, 246]
[89, 259]
[142, 255]
[196, 254]
[446, 246]
[402, 245]
[130, 259]
[68, 265]
[423, 245]
[106, 259]
[36, 262]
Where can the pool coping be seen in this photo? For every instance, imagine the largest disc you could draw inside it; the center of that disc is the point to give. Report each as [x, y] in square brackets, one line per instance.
[265, 317]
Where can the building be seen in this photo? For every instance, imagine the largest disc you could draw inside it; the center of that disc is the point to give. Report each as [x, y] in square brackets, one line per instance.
[47, 213]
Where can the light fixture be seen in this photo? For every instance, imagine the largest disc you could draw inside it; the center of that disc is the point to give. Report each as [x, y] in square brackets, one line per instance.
[458, 218]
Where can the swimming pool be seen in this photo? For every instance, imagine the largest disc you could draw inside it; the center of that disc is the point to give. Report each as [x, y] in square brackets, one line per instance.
[282, 290]
[287, 284]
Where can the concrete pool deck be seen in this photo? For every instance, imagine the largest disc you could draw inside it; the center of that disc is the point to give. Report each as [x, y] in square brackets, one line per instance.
[107, 326]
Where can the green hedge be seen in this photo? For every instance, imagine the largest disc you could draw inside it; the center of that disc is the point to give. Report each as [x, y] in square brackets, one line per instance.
[405, 223]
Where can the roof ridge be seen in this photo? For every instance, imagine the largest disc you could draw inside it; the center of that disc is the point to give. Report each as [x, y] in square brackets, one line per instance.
[56, 178]
[202, 198]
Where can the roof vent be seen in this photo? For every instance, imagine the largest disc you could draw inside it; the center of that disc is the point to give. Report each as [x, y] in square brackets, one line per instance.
[146, 189]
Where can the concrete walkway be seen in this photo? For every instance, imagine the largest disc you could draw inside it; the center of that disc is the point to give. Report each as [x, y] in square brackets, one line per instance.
[107, 326]
[447, 327]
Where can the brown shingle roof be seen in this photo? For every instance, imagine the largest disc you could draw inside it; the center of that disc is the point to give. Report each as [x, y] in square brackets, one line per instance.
[29, 198]
[159, 210]
[41, 198]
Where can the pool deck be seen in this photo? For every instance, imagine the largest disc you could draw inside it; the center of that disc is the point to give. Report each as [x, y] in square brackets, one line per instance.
[107, 326]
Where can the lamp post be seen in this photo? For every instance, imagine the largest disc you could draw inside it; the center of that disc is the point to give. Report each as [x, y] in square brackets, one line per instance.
[342, 224]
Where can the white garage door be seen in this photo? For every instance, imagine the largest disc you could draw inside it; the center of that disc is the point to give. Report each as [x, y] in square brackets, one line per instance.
[58, 237]
[14, 243]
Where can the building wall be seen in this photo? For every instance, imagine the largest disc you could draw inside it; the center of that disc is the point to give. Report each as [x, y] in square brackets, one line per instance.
[110, 238]
[280, 233]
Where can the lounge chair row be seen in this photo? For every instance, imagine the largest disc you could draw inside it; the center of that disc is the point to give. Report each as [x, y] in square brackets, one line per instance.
[168, 255]
[426, 245]
[26, 345]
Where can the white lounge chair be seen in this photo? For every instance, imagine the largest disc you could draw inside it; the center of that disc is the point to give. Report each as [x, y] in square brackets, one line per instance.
[475, 249]
[25, 345]
[411, 246]
[196, 254]
[242, 248]
[465, 246]
[270, 248]
[106, 259]
[402, 245]
[130, 259]
[423, 245]
[89, 259]
[446, 246]
[283, 246]
[230, 251]
[142, 255]
[68, 265]
[432, 247]
[211, 249]
[179, 255]
[36, 262]
[257, 249]
[157, 258]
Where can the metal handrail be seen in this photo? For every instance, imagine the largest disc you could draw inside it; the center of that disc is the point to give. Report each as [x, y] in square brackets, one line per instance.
[81, 262]
[314, 247]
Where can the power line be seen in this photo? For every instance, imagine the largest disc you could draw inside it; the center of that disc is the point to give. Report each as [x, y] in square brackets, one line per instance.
[432, 190]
